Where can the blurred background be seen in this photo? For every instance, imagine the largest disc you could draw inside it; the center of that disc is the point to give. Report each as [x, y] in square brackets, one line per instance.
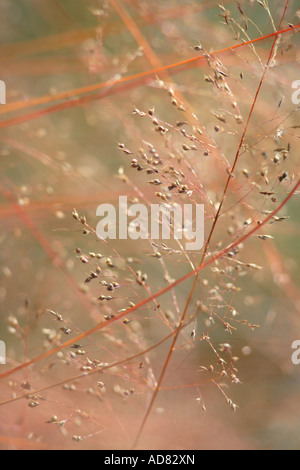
[74, 72]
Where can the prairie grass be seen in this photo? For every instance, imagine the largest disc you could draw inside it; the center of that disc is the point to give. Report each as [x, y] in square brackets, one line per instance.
[122, 344]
